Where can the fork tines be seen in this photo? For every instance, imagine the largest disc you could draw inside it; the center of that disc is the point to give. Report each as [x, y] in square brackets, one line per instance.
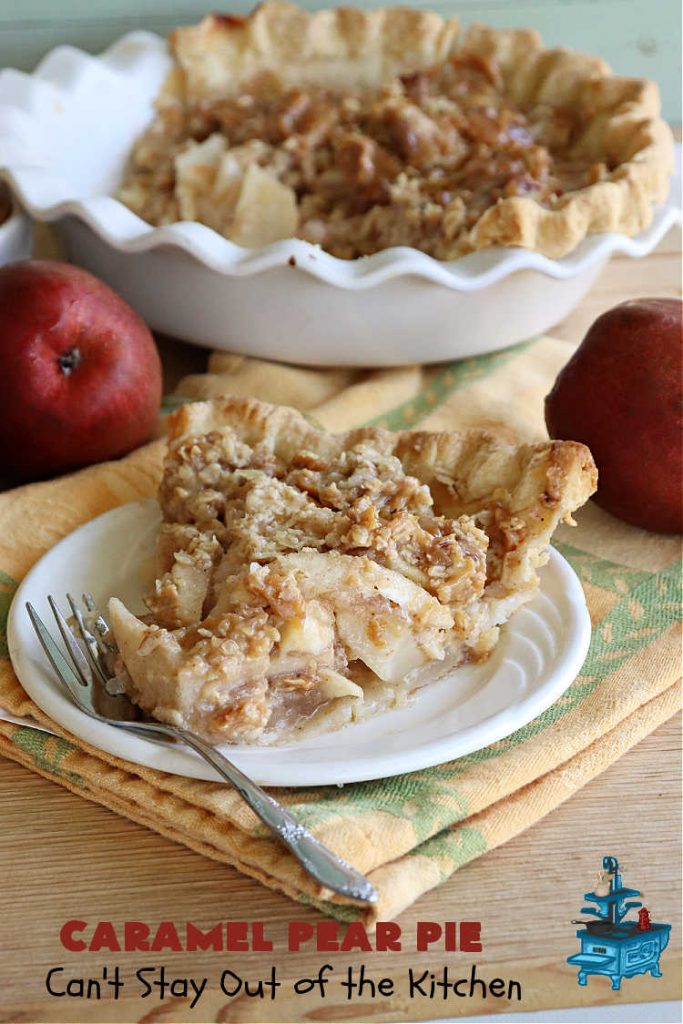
[59, 663]
[92, 641]
[80, 662]
[86, 635]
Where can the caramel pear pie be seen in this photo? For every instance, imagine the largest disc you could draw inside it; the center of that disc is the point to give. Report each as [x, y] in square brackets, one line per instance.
[360, 130]
[306, 580]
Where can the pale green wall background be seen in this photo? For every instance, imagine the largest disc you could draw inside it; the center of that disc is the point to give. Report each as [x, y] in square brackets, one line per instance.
[637, 37]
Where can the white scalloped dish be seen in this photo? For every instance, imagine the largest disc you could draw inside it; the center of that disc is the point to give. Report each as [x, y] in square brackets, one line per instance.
[540, 652]
[66, 133]
[15, 234]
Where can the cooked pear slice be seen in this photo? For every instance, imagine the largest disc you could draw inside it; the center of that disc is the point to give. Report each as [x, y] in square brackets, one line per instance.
[197, 682]
[153, 658]
[266, 210]
[334, 685]
[383, 619]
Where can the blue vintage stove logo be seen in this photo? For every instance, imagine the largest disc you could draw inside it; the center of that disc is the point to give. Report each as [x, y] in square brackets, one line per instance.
[611, 945]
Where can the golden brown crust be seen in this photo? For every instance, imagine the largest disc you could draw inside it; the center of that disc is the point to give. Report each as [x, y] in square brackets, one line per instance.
[620, 125]
[427, 455]
[519, 493]
[334, 48]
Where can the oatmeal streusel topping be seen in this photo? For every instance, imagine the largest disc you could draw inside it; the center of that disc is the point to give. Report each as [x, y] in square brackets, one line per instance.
[414, 162]
[358, 502]
[364, 129]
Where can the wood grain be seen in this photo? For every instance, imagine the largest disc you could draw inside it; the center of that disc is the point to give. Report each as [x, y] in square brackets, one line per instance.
[66, 858]
[624, 278]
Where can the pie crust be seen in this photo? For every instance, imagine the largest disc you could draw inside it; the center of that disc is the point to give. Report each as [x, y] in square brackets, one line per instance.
[557, 109]
[305, 580]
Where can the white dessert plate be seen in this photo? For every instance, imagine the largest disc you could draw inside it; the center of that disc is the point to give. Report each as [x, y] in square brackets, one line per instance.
[540, 653]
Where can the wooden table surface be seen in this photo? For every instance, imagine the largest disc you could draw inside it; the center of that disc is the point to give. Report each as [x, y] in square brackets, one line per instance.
[62, 857]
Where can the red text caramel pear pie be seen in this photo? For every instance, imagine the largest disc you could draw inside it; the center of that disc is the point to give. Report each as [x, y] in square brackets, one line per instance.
[362, 130]
[306, 580]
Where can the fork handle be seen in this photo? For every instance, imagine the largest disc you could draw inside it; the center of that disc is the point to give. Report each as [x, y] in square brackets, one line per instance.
[326, 867]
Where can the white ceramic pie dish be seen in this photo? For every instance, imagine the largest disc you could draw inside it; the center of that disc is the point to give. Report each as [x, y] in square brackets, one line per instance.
[65, 134]
[540, 652]
[16, 238]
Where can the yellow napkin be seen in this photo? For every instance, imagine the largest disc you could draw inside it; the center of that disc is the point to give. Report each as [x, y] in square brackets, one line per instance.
[408, 833]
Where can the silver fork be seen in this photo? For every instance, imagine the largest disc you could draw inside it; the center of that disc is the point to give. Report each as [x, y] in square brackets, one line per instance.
[90, 683]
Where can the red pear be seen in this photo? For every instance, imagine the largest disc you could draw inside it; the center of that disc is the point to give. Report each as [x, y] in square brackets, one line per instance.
[621, 394]
[80, 375]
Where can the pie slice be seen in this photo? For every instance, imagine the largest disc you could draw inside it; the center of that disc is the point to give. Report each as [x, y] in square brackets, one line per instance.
[305, 580]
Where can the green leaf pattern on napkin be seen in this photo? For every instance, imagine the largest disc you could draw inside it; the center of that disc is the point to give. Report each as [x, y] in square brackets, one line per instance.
[453, 376]
[8, 588]
[46, 751]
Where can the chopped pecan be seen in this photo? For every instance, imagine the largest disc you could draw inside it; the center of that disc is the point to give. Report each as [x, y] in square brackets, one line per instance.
[366, 166]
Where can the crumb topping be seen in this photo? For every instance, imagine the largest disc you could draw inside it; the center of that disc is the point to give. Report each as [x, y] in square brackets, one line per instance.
[359, 502]
[415, 162]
